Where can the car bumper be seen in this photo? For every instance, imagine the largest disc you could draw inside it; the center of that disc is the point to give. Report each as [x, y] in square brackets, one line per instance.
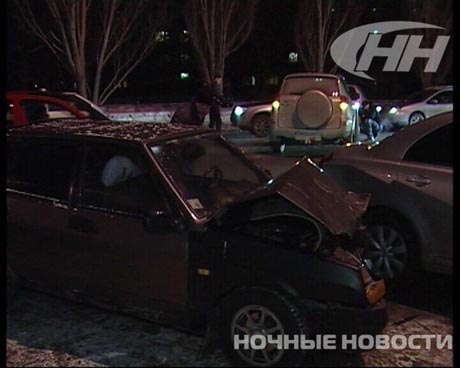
[344, 320]
[400, 118]
[240, 122]
[312, 135]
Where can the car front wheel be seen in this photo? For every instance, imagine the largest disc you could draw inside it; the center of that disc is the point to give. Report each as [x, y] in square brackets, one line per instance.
[252, 318]
[416, 117]
[261, 125]
[391, 249]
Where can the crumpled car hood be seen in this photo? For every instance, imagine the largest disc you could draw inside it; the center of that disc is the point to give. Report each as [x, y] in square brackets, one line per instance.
[315, 193]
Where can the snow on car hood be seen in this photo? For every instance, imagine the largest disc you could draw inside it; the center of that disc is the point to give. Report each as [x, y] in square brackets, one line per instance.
[312, 191]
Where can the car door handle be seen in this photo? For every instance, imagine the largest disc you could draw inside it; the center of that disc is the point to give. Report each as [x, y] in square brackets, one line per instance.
[419, 180]
[82, 224]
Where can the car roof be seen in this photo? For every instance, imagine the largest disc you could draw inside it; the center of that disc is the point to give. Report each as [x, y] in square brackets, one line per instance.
[324, 75]
[126, 131]
[438, 88]
[40, 93]
[441, 87]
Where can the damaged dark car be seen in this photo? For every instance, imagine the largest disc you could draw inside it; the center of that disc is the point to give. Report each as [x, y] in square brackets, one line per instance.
[176, 225]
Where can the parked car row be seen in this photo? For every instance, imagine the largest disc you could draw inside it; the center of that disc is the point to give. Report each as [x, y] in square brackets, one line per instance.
[263, 117]
[175, 224]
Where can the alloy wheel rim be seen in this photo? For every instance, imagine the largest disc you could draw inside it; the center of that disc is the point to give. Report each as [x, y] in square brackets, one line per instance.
[257, 320]
[387, 251]
[261, 127]
[416, 118]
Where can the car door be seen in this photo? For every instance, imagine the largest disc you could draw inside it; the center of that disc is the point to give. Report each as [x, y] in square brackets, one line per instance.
[40, 173]
[439, 103]
[118, 259]
[426, 171]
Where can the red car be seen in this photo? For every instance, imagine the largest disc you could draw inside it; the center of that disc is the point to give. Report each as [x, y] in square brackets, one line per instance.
[32, 107]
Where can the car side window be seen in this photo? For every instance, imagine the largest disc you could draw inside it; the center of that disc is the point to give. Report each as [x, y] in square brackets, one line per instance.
[444, 97]
[43, 167]
[435, 148]
[118, 177]
[41, 110]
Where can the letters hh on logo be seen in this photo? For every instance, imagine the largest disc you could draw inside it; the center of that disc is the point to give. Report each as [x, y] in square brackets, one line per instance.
[399, 57]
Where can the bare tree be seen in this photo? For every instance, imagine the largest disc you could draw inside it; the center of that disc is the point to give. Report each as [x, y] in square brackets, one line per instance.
[217, 28]
[99, 42]
[318, 23]
[438, 13]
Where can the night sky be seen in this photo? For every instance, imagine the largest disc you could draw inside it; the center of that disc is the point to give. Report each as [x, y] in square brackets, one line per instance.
[264, 56]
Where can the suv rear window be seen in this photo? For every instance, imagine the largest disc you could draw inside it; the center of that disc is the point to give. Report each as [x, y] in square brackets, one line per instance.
[42, 167]
[299, 85]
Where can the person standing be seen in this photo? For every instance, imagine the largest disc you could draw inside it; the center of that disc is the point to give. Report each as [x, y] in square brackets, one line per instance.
[211, 95]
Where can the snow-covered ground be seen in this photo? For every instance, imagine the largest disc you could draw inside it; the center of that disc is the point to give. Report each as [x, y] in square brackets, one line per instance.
[47, 331]
[154, 113]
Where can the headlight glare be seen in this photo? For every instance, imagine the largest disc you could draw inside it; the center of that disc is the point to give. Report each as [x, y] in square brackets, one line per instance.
[240, 110]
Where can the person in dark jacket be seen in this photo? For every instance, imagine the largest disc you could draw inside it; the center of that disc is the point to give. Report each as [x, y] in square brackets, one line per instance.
[211, 96]
[370, 121]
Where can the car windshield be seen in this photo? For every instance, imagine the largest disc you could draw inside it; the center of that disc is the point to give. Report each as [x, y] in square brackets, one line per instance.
[207, 172]
[86, 107]
[420, 95]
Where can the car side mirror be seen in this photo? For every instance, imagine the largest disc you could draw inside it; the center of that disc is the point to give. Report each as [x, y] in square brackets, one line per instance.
[434, 101]
[163, 223]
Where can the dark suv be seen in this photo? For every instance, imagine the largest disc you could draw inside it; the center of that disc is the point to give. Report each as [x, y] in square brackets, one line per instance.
[176, 225]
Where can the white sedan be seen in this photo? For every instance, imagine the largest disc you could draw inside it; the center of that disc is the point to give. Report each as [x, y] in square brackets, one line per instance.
[422, 105]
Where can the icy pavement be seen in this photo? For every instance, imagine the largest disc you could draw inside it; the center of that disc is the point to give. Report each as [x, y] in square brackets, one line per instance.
[156, 113]
[46, 331]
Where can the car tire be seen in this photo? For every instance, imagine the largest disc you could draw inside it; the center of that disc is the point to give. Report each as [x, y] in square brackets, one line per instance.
[259, 311]
[261, 125]
[393, 247]
[415, 118]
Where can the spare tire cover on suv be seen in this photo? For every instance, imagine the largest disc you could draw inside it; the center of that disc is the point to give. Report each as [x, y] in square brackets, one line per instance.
[314, 109]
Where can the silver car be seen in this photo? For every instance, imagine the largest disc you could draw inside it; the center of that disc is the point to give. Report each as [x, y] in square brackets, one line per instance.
[422, 105]
[254, 117]
[409, 176]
